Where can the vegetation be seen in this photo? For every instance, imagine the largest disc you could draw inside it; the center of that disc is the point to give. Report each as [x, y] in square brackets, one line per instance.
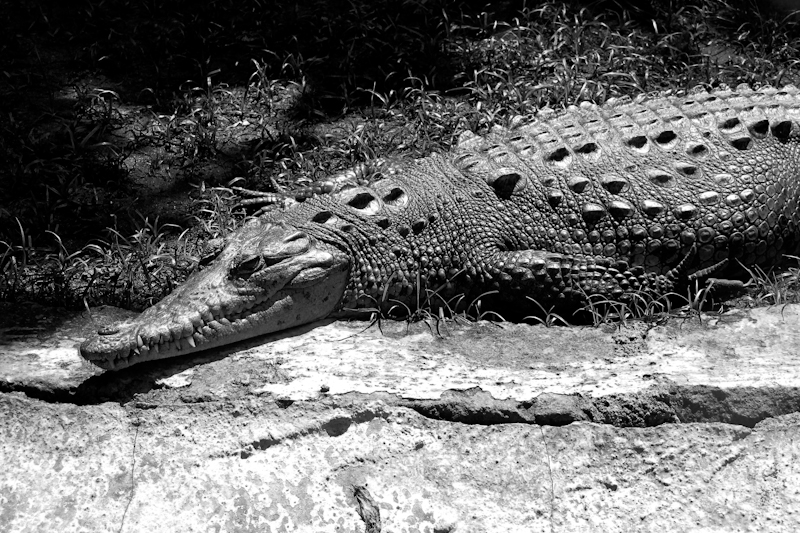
[126, 123]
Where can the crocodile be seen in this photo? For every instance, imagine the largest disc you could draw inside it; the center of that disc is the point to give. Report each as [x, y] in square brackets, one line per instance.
[632, 196]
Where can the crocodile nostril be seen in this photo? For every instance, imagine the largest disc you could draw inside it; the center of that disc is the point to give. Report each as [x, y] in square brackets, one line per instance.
[108, 331]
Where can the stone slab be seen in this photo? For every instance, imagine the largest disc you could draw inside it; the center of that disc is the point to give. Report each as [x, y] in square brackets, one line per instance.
[459, 428]
[758, 348]
[250, 467]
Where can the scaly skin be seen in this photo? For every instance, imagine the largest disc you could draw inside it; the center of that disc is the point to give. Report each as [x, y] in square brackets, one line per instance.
[598, 200]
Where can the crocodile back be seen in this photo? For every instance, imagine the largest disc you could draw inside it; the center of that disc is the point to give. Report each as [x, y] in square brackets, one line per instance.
[652, 180]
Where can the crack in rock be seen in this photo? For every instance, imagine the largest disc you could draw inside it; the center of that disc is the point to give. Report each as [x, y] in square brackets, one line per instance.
[367, 509]
[664, 403]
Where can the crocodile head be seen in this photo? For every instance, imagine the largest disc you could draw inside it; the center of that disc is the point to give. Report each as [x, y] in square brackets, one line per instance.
[267, 277]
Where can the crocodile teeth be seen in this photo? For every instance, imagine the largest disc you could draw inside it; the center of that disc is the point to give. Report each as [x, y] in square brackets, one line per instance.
[178, 344]
[139, 341]
[191, 342]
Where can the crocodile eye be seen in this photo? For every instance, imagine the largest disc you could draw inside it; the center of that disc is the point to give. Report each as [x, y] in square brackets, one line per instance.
[213, 249]
[246, 268]
[207, 259]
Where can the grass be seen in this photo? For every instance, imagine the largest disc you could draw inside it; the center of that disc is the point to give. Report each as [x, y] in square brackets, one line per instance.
[121, 135]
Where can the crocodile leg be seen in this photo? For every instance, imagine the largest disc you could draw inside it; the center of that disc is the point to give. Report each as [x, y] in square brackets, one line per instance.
[362, 175]
[572, 277]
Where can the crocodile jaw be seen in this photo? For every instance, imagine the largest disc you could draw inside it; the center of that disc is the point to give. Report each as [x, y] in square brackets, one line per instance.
[299, 282]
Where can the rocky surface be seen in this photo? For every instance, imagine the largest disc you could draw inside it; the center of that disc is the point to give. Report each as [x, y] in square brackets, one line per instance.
[688, 426]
